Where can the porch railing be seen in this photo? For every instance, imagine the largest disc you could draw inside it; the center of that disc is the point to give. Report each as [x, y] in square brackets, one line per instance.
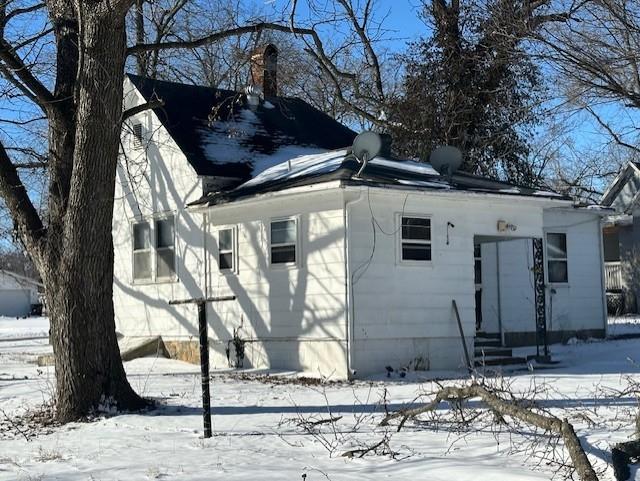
[613, 276]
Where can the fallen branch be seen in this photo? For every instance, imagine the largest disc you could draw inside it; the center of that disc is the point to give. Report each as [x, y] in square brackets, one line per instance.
[507, 408]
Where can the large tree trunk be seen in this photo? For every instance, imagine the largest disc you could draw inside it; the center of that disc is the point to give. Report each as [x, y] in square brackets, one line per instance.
[78, 268]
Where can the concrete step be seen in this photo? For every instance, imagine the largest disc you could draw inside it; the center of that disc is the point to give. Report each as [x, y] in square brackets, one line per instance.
[130, 348]
[135, 347]
[480, 342]
[500, 361]
[493, 351]
[488, 335]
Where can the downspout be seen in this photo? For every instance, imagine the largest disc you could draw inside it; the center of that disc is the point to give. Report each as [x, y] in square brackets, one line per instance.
[602, 278]
[349, 307]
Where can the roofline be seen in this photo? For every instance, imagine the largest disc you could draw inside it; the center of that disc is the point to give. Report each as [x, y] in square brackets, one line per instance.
[353, 186]
[615, 183]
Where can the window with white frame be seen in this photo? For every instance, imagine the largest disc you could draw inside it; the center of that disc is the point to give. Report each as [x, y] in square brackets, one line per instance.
[557, 268]
[141, 251]
[284, 240]
[165, 248]
[226, 250]
[138, 138]
[415, 239]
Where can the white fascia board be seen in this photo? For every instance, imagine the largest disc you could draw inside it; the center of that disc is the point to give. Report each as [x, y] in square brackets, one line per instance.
[463, 195]
[277, 195]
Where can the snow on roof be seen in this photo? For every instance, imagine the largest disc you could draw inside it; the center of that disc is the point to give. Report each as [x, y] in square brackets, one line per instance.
[299, 166]
[406, 165]
[222, 134]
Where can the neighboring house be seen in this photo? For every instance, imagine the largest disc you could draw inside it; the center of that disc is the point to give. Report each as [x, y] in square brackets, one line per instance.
[621, 236]
[225, 194]
[18, 294]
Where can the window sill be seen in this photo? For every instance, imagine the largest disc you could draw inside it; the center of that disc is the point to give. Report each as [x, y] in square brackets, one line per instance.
[152, 282]
[284, 266]
[414, 263]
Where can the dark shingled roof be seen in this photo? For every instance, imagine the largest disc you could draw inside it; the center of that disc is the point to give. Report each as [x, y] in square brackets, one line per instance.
[221, 135]
[340, 166]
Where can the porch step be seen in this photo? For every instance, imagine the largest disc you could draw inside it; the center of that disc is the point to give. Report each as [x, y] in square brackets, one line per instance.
[485, 342]
[500, 361]
[488, 335]
[493, 351]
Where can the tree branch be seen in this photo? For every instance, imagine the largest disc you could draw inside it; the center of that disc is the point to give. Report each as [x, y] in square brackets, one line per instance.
[233, 32]
[151, 104]
[16, 66]
[513, 409]
[27, 221]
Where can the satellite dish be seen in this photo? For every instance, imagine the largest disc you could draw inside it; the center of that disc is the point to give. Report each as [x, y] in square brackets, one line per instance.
[446, 159]
[365, 147]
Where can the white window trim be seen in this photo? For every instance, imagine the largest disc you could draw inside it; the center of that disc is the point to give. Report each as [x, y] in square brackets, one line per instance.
[172, 277]
[149, 251]
[234, 247]
[399, 259]
[547, 259]
[297, 245]
[151, 220]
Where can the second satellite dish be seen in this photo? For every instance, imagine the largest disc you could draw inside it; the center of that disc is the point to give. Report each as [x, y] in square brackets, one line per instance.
[365, 147]
[446, 160]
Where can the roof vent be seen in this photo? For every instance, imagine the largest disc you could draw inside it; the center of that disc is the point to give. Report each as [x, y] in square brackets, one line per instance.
[264, 69]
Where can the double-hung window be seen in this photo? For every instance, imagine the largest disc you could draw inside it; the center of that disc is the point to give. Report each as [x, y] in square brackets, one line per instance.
[415, 239]
[154, 250]
[165, 248]
[284, 241]
[141, 251]
[557, 268]
[226, 248]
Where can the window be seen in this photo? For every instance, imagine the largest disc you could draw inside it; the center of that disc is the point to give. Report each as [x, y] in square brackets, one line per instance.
[141, 251]
[557, 258]
[415, 239]
[284, 237]
[165, 251]
[226, 242]
[138, 139]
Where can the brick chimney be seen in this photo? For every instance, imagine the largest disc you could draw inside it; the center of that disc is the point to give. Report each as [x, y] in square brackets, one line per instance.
[264, 69]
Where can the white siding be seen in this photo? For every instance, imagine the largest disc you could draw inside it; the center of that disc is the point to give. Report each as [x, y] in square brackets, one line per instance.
[402, 313]
[156, 180]
[576, 305]
[291, 317]
[579, 303]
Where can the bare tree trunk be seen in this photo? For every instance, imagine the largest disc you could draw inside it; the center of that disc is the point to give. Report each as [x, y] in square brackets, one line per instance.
[78, 269]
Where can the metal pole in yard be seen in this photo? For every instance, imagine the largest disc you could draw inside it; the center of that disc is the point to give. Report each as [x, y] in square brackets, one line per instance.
[464, 341]
[204, 368]
[204, 353]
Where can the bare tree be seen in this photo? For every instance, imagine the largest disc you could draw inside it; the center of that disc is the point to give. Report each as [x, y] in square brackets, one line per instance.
[77, 88]
[597, 57]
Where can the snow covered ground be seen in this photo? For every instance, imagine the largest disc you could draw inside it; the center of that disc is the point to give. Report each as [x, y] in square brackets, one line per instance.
[29, 327]
[624, 325]
[256, 436]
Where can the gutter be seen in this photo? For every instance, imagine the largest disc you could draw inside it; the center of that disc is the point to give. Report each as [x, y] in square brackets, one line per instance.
[348, 284]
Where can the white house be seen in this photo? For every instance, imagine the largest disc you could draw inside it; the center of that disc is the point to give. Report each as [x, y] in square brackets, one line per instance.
[622, 239]
[226, 194]
[17, 294]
